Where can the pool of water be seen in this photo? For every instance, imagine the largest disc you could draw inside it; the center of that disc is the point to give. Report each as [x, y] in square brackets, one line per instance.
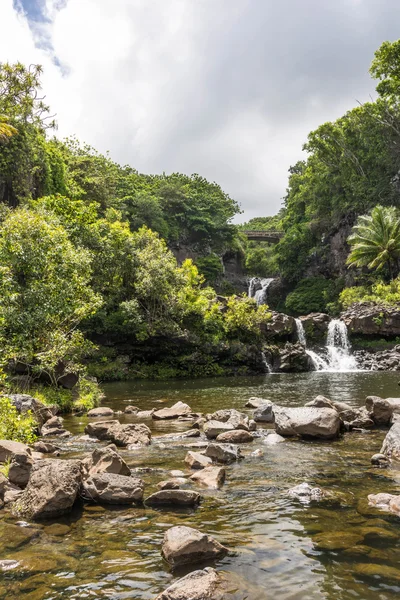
[336, 549]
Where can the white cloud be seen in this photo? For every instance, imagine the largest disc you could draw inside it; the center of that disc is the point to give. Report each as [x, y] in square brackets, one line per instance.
[225, 88]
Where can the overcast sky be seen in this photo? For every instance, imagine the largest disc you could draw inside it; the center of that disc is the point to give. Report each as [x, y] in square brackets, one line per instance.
[225, 88]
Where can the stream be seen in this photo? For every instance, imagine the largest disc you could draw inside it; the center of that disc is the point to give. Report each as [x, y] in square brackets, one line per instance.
[336, 549]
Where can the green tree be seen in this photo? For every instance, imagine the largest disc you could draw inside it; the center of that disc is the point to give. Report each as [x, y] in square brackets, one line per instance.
[375, 240]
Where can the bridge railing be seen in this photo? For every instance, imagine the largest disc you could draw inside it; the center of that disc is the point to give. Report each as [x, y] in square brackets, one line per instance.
[264, 235]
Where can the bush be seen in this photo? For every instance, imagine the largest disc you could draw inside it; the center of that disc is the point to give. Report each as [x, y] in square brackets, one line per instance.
[210, 267]
[16, 426]
[310, 295]
[379, 293]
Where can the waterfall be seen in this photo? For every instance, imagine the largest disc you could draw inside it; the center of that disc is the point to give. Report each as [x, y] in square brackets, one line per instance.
[338, 348]
[258, 287]
[266, 363]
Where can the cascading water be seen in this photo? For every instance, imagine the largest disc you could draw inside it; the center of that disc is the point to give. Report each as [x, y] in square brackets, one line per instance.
[337, 348]
[258, 289]
[266, 363]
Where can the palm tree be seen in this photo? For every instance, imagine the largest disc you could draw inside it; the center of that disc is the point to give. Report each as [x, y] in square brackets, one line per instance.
[375, 240]
[6, 130]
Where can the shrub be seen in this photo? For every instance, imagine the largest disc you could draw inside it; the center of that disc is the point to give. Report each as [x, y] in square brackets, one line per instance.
[16, 426]
[310, 295]
[379, 293]
[210, 267]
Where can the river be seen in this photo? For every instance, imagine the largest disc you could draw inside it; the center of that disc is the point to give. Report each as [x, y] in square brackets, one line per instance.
[338, 549]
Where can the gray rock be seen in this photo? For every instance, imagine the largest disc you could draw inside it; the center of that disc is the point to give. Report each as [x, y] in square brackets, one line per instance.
[107, 460]
[320, 402]
[254, 402]
[223, 453]
[173, 498]
[185, 545]
[100, 429]
[174, 412]
[101, 411]
[54, 427]
[307, 422]
[212, 428]
[273, 438]
[238, 436]
[380, 460]
[264, 413]
[131, 410]
[198, 585]
[110, 488]
[196, 460]
[388, 502]
[237, 419]
[8, 448]
[132, 434]
[391, 443]
[382, 409]
[169, 484]
[51, 491]
[20, 469]
[305, 493]
[24, 403]
[45, 447]
[211, 477]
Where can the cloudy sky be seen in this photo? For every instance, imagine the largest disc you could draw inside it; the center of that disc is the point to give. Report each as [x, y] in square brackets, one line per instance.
[225, 88]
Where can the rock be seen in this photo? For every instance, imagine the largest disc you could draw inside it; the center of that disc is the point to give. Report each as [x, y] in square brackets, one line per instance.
[305, 493]
[380, 460]
[252, 425]
[110, 488]
[24, 403]
[377, 572]
[198, 585]
[293, 358]
[356, 418]
[51, 491]
[279, 326]
[237, 419]
[130, 410]
[177, 410]
[107, 460]
[185, 545]
[273, 438]
[372, 319]
[101, 411]
[382, 409]
[99, 429]
[196, 460]
[391, 443]
[264, 413]
[8, 448]
[173, 498]
[8, 565]
[169, 484]
[316, 327]
[211, 477]
[254, 402]
[179, 435]
[307, 422]
[257, 453]
[20, 469]
[132, 434]
[212, 429]
[238, 436]
[45, 447]
[223, 453]
[388, 502]
[320, 402]
[54, 427]
[337, 540]
[12, 493]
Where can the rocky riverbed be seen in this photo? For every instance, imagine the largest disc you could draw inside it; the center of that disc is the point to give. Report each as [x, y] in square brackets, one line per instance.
[239, 501]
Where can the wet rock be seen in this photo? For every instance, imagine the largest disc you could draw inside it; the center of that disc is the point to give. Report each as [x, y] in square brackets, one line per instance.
[211, 477]
[173, 498]
[273, 438]
[198, 585]
[238, 436]
[196, 460]
[45, 447]
[9, 565]
[382, 409]
[101, 411]
[185, 545]
[107, 460]
[307, 422]
[380, 571]
[181, 435]
[293, 358]
[252, 425]
[337, 540]
[51, 491]
[255, 402]
[212, 428]
[177, 410]
[305, 493]
[99, 429]
[110, 488]
[223, 453]
[257, 453]
[380, 460]
[131, 410]
[8, 448]
[169, 484]
[264, 413]
[20, 469]
[356, 419]
[13, 537]
[316, 326]
[54, 427]
[389, 502]
[391, 443]
[177, 473]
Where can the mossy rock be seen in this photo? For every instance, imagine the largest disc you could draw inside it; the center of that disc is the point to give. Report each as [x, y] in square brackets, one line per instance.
[337, 540]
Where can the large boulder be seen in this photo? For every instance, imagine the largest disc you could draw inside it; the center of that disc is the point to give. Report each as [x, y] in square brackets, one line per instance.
[110, 488]
[196, 460]
[173, 498]
[131, 434]
[185, 545]
[8, 448]
[238, 436]
[211, 477]
[20, 468]
[100, 411]
[106, 460]
[391, 443]
[372, 319]
[264, 413]
[197, 585]
[100, 429]
[280, 326]
[174, 412]
[54, 428]
[223, 453]
[232, 416]
[316, 327]
[382, 409]
[307, 422]
[212, 428]
[293, 358]
[51, 491]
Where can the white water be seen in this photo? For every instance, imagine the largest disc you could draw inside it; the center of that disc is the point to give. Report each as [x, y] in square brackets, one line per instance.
[337, 347]
[259, 294]
[266, 363]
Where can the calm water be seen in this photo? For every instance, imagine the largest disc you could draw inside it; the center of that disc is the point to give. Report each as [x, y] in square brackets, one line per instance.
[336, 549]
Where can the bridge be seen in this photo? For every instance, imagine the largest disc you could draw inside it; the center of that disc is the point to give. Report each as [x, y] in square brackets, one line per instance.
[272, 237]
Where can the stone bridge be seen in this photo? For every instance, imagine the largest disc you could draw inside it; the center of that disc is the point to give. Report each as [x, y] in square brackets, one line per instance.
[272, 237]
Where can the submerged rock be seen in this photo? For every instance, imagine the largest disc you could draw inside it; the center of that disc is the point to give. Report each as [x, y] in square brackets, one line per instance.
[211, 477]
[173, 498]
[380, 460]
[51, 491]
[198, 585]
[223, 453]
[305, 493]
[174, 412]
[131, 410]
[337, 540]
[110, 488]
[185, 545]
[307, 422]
